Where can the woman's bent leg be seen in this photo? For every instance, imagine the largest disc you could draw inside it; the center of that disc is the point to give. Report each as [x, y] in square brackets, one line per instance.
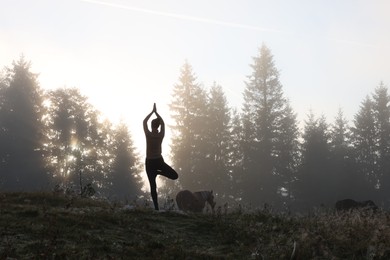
[167, 171]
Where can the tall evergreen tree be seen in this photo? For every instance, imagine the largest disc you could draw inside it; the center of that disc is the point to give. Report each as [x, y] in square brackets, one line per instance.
[22, 131]
[217, 139]
[125, 173]
[236, 158]
[340, 135]
[189, 111]
[3, 138]
[381, 107]
[287, 153]
[267, 119]
[364, 142]
[351, 183]
[316, 183]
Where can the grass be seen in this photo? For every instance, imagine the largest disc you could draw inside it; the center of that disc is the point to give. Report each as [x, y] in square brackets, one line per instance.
[47, 226]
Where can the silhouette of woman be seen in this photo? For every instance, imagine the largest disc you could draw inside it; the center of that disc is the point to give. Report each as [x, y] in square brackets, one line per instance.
[154, 162]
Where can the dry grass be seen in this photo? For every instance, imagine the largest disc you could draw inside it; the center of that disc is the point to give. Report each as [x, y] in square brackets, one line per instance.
[45, 226]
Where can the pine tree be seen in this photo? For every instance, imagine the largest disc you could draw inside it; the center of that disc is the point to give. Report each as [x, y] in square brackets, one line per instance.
[22, 131]
[342, 162]
[286, 152]
[340, 135]
[269, 131]
[381, 107]
[316, 184]
[364, 142]
[125, 174]
[189, 111]
[217, 139]
[236, 158]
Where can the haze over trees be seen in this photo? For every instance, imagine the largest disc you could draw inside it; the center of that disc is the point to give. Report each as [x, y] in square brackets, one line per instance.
[22, 131]
[56, 138]
[265, 158]
[270, 133]
[255, 154]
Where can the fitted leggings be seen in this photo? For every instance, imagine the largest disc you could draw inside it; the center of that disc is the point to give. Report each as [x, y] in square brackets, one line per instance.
[153, 168]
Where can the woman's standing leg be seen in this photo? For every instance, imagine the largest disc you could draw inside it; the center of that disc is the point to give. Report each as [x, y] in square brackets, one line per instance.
[151, 171]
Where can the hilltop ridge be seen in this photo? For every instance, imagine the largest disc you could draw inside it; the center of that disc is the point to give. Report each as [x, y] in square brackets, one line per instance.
[43, 225]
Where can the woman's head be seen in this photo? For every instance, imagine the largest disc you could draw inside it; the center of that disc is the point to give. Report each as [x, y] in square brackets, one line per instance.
[156, 123]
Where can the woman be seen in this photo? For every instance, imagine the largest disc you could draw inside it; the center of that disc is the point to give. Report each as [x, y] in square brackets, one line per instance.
[154, 161]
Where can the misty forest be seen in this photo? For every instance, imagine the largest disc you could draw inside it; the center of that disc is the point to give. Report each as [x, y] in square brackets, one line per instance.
[255, 155]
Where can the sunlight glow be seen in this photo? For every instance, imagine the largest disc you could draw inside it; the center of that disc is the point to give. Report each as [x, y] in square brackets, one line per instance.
[125, 55]
[71, 158]
[74, 144]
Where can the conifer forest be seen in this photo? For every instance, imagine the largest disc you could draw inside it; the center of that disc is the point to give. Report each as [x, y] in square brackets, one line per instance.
[256, 154]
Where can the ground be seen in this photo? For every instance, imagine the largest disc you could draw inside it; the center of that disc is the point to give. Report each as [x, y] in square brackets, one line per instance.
[48, 226]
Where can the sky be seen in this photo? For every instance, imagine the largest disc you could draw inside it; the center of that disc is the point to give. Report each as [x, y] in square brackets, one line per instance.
[124, 55]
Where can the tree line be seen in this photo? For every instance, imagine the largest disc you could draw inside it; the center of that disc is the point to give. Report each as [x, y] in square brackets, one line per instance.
[57, 139]
[257, 155]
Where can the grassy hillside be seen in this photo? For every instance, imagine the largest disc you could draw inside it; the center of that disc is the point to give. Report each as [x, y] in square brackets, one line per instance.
[46, 226]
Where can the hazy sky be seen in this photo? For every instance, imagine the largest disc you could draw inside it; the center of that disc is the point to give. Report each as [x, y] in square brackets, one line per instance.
[125, 55]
